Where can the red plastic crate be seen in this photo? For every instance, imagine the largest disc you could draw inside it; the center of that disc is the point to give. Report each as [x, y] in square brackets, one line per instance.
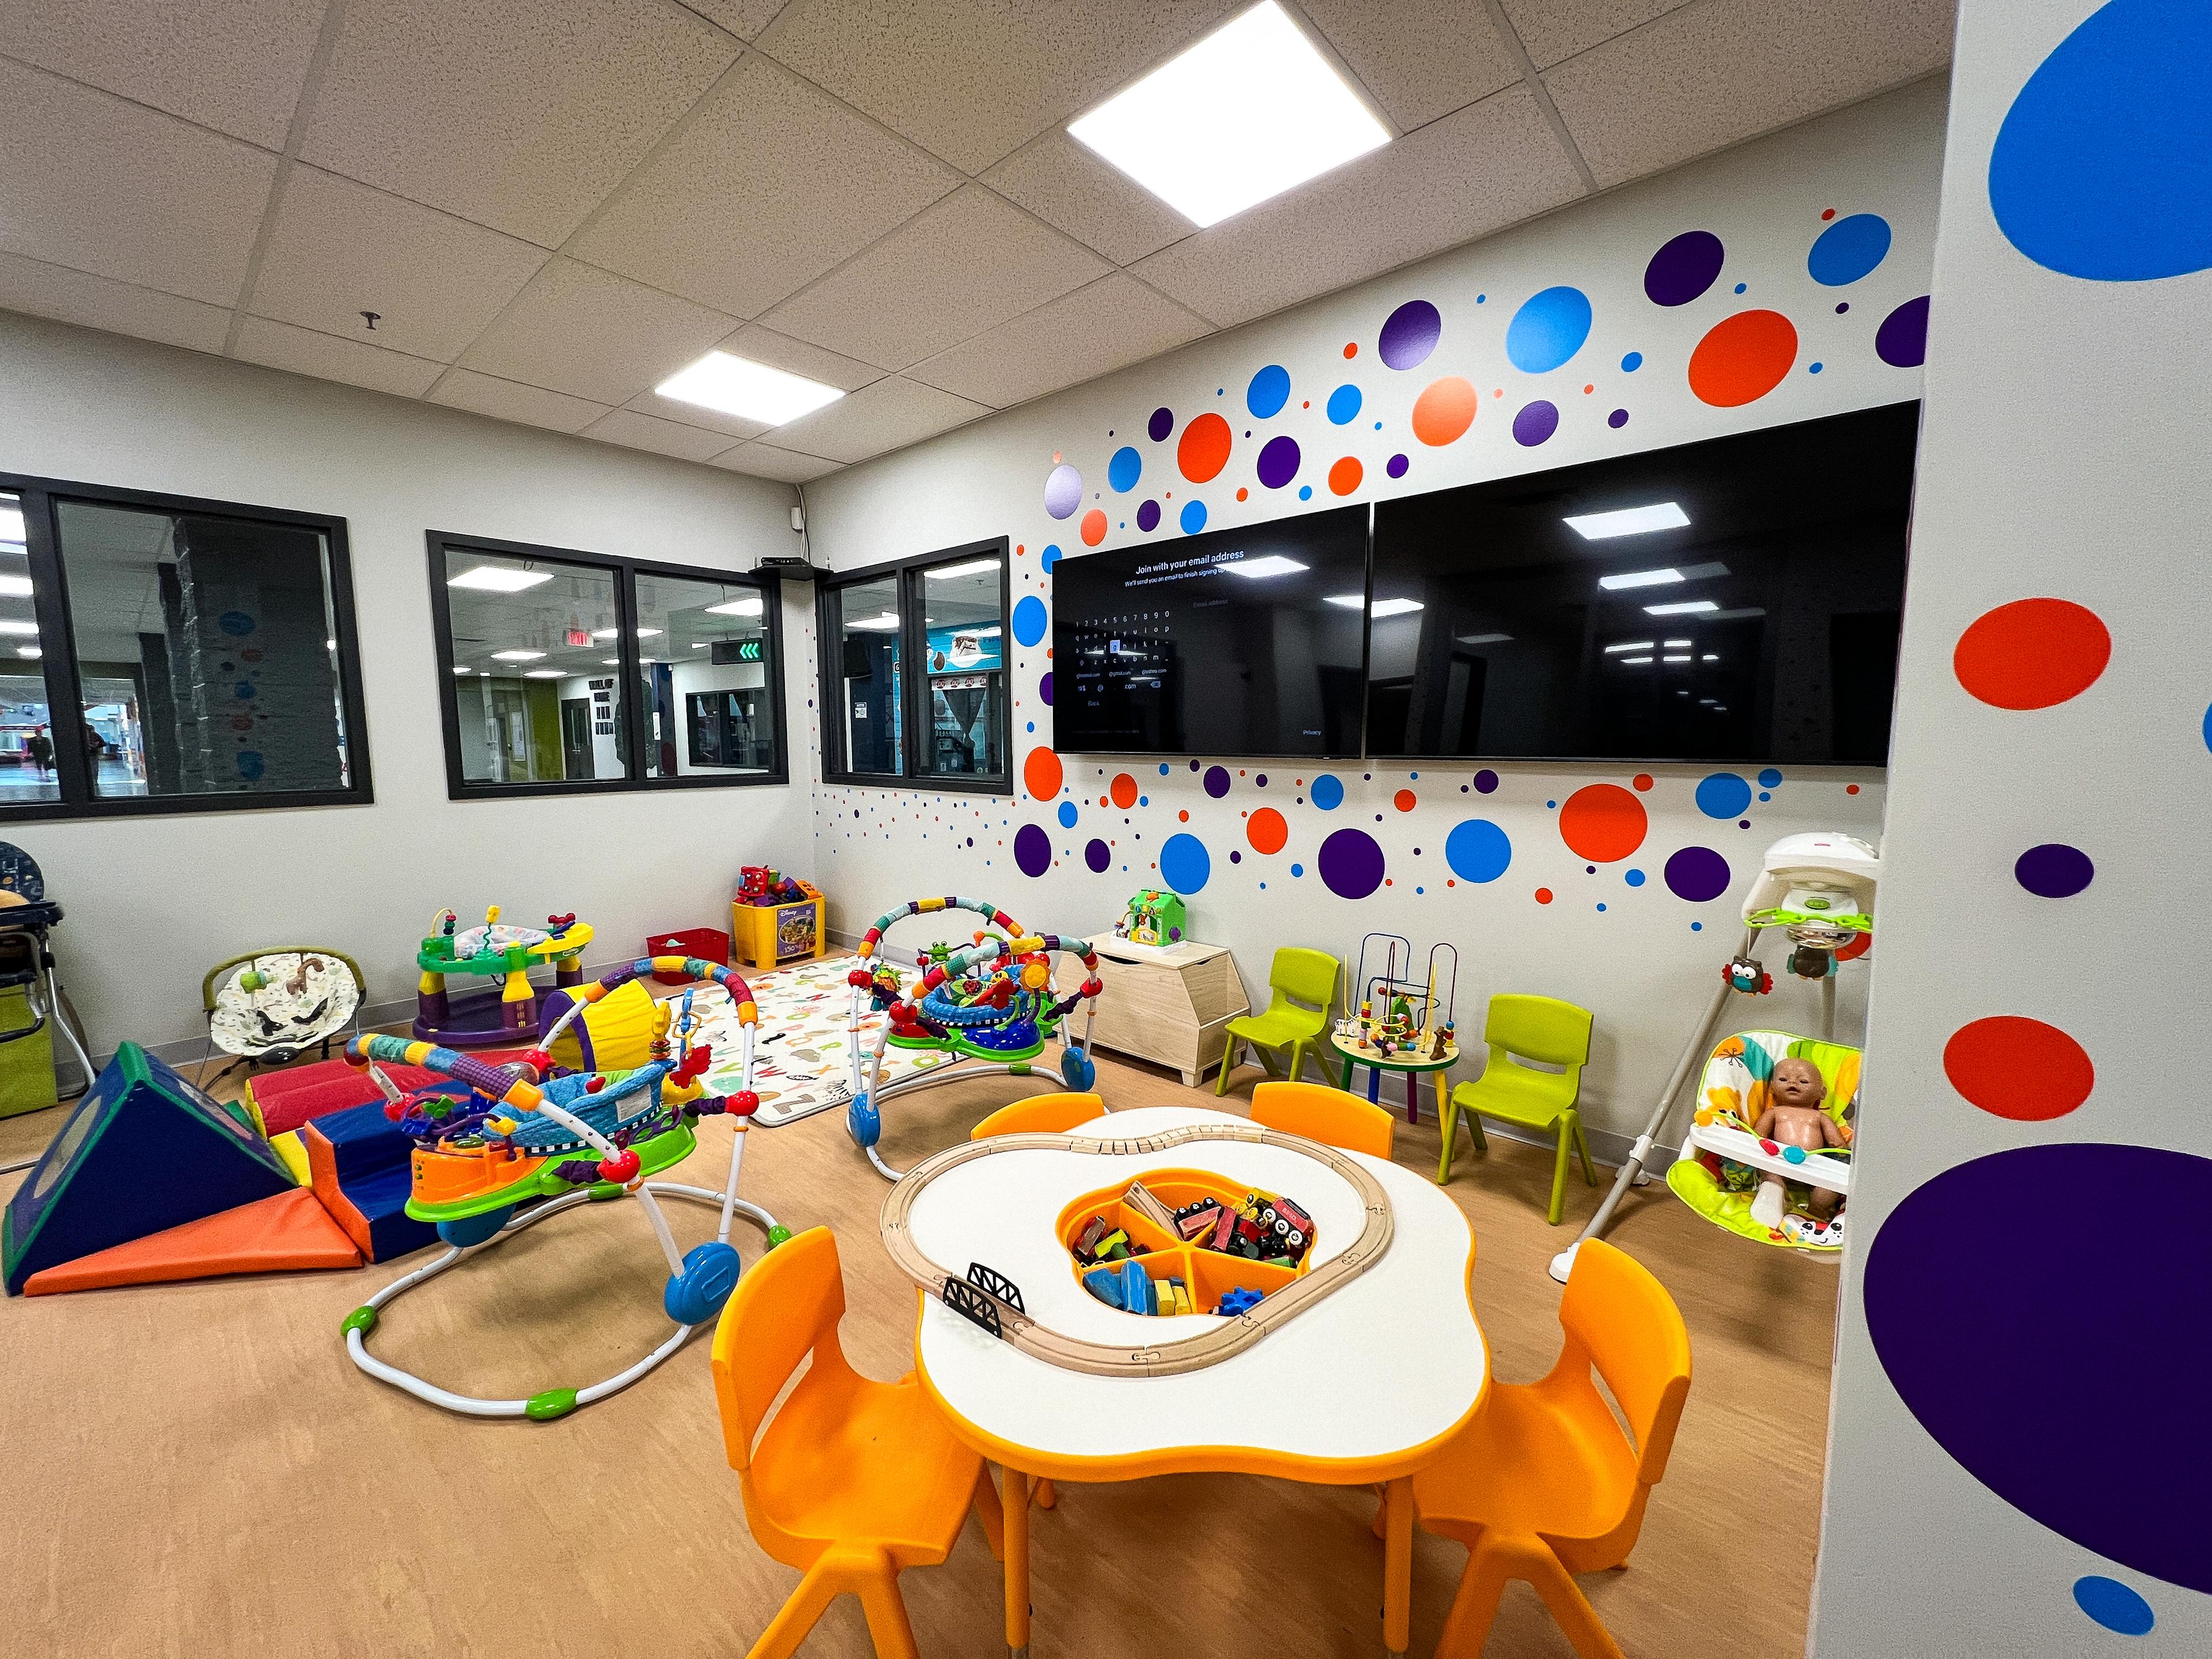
[707, 944]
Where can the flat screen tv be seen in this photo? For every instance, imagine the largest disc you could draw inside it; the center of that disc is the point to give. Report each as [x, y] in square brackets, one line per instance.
[1236, 642]
[1736, 599]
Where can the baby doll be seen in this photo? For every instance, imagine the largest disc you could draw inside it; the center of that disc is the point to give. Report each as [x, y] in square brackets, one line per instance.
[1794, 1118]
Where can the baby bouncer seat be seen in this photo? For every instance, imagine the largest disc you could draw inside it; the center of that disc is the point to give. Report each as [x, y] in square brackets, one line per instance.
[1725, 1163]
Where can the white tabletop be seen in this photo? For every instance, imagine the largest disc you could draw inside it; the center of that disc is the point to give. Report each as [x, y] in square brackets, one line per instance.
[1364, 1385]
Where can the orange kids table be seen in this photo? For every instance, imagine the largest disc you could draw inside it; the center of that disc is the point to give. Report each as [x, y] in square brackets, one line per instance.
[1390, 1366]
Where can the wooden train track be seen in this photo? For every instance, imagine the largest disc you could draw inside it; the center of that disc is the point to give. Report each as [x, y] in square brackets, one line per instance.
[977, 1296]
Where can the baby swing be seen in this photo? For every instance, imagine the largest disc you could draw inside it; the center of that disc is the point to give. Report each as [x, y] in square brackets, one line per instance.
[1756, 1160]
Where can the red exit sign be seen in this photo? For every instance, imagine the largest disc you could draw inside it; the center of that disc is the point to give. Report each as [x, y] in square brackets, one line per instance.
[578, 636]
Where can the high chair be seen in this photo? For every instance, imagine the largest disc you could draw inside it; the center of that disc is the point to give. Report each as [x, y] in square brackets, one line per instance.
[1295, 976]
[854, 1480]
[1543, 1484]
[1040, 1115]
[1536, 1028]
[1326, 1114]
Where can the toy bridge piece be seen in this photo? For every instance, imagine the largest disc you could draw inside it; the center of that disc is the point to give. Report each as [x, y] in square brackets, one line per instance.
[1227, 1337]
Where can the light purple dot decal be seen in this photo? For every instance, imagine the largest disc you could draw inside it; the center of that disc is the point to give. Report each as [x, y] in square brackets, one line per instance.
[1535, 423]
[1902, 340]
[1485, 782]
[1989, 1349]
[1351, 864]
[1044, 688]
[1148, 516]
[1696, 874]
[1063, 490]
[1395, 467]
[1032, 850]
[1278, 461]
[1617, 419]
[1160, 425]
[1409, 334]
[1217, 781]
[1097, 855]
[1683, 268]
[2054, 870]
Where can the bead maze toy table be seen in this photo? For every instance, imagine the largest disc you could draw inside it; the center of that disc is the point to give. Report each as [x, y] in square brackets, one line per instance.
[1400, 1059]
[1364, 1385]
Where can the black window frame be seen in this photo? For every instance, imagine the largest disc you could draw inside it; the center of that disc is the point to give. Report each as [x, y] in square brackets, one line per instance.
[914, 689]
[624, 571]
[39, 499]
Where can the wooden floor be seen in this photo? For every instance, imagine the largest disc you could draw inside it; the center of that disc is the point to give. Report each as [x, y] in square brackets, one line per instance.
[197, 1470]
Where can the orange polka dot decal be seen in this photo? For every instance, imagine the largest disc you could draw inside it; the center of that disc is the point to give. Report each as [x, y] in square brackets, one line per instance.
[1444, 411]
[1405, 800]
[1603, 823]
[1266, 831]
[2032, 653]
[1343, 477]
[1040, 774]
[1743, 358]
[1094, 527]
[1203, 450]
[1123, 790]
[2020, 1069]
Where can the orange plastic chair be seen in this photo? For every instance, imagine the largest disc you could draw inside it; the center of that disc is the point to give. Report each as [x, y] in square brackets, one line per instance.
[853, 1480]
[1543, 1484]
[1319, 1113]
[1040, 1115]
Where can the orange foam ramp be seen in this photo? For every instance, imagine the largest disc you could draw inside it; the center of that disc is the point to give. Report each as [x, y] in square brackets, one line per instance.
[288, 1232]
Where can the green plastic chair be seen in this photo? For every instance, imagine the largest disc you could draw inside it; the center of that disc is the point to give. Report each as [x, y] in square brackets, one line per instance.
[1297, 976]
[1540, 1027]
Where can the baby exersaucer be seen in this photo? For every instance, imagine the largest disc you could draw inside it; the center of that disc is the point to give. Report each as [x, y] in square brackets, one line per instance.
[1724, 1161]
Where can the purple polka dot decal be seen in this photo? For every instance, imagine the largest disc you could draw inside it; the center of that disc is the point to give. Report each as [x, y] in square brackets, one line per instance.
[1902, 340]
[1148, 516]
[1063, 490]
[1683, 268]
[1217, 781]
[1535, 423]
[1617, 419]
[1160, 425]
[1485, 782]
[2085, 1308]
[1044, 688]
[1351, 864]
[2053, 870]
[1696, 874]
[1032, 850]
[1409, 334]
[1395, 467]
[1278, 461]
[1097, 855]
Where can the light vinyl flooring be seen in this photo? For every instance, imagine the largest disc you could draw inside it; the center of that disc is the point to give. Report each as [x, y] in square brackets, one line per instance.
[198, 1470]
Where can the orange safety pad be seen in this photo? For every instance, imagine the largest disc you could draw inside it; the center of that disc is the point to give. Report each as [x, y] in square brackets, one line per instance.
[288, 1232]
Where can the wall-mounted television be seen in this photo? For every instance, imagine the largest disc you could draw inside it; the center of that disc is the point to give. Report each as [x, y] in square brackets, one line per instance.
[1241, 641]
[1735, 599]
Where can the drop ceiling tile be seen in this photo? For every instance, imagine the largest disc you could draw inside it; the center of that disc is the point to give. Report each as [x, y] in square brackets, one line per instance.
[519, 119]
[327, 357]
[72, 297]
[508, 400]
[1097, 203]
[1419, 58]
[742, 18]
[767, 461]
[98, 184]
[236, 67]
[590, 334]
[887, 414]
[635, 431]
[1476, 171]
[951, 272]
[1553, 30]
[973, 80]
[1716, 74]
[764, 345]
[770, 183]
[711, 421]
[340, 248]
[1106, 326]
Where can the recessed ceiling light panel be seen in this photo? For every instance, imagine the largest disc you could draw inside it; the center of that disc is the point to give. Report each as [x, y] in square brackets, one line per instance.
[748, 390]
[1628, 521]
[499, 579]
[1268, 564]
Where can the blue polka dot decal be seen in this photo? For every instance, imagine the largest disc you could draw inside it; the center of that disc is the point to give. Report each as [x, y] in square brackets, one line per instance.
[1269, 390]
[1344, 404]
[1125, 469]
[1327, 791]
[1478, 850]
[1548, 330]
[1723, 795]
[1185, 864]
[1848, 249]
[1030, 619]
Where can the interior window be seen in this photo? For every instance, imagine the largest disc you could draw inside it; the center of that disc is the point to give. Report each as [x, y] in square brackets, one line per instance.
[705, 683]
[536, 668]
[868, 671]
[963, 634]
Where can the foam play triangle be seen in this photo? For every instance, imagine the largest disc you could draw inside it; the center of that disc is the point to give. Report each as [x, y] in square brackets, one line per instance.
[141, 1151]
[290, 1232]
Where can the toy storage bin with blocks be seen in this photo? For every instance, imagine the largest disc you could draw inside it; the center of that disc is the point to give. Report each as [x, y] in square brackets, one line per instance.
[765, 935]
[1210, 1274]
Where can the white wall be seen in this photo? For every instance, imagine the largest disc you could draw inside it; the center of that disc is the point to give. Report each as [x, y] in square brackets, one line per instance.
[152, 902]
[2018, 1435]
[1628, 952]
